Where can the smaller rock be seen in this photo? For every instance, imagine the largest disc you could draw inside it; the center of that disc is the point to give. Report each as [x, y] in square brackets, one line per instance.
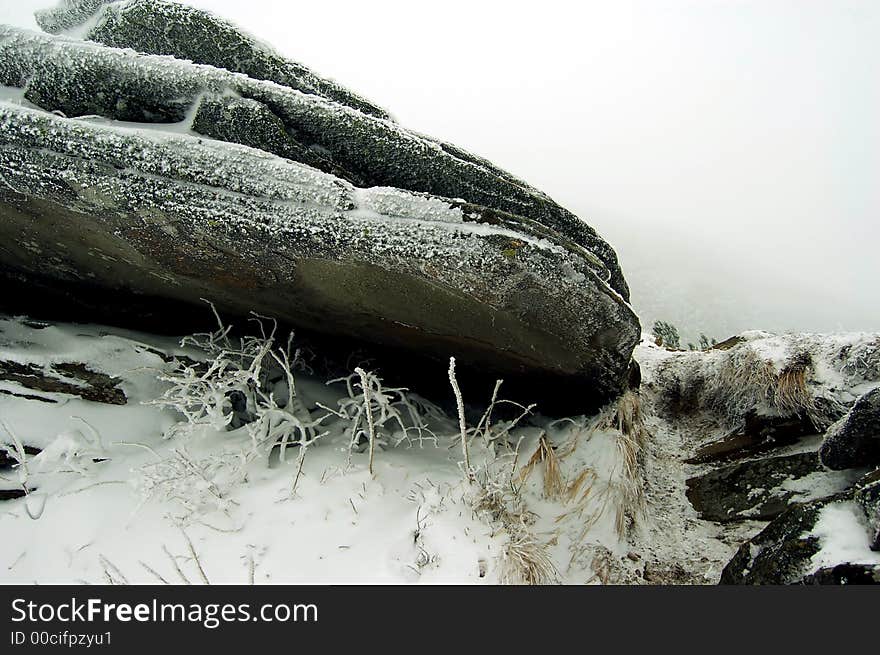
[854, 440]
[750, 490]
[781, 552]
[72, 378]
[844, 574]
[727, 344]
[759, 433]
[867, 495]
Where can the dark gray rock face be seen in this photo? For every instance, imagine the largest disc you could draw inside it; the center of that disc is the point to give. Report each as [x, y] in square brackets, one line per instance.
[854, 440]
[848, 574]
[781, 552]
[867, 495]
[750, 489]
[254, 195]
[758, 434]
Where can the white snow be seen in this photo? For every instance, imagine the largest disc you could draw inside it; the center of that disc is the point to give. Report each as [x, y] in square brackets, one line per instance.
[843, 536]
[131, 515]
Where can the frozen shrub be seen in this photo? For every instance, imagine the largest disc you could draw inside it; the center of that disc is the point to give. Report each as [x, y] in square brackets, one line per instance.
[666, 334]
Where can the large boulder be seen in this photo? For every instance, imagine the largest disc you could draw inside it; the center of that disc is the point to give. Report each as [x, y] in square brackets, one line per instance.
[854, 440]
[357, 145]
[141, 176]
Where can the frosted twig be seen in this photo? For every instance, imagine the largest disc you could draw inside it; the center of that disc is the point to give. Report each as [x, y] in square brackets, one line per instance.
[367, 405]
[195, 557]
[176, 565]
[152, 572]
[111, 567]
[461, 420]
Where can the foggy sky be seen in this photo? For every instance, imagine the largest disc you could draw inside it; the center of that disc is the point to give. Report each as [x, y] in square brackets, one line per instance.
[728, 149]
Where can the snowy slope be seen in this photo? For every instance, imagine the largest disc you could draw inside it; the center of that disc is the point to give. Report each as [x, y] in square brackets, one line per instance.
[114, 498]
[137, 493]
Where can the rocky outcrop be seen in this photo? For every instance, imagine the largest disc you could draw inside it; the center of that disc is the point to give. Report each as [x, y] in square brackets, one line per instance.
[759, 433]
[790, 549]
[161, 178]
[854, 440]
[69, 378]
[867, 495]
[781, 553]
[750, 490]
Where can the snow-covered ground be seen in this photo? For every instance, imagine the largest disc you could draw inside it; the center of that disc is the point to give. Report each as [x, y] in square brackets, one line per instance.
[135, 493]
[139, 493]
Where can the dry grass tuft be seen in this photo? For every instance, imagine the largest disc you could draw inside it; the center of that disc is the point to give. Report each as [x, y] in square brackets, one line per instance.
[732, 383]
[791, 394]
[525, 561]
[742, 381]
[554, 484]
[581, 481]
[632, 434]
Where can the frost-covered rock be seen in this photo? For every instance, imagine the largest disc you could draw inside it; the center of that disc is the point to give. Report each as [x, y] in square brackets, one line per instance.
[854, 440]
[81, 78]
[181, 217]
[169, 28]
[248, 180]
[68, 14]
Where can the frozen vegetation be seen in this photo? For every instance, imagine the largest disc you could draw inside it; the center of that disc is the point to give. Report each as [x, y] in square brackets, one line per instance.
[230, 460]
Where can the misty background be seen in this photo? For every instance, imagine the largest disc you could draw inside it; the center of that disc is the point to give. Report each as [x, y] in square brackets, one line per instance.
[729, 150]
